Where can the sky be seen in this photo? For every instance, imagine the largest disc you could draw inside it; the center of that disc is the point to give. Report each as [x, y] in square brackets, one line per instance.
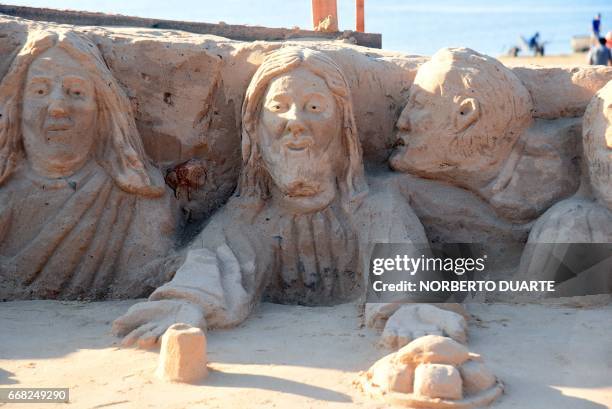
[415, 27]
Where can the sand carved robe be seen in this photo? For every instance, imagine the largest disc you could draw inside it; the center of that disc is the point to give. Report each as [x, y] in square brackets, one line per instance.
[81, 237]
[244, 255]
[570, 244]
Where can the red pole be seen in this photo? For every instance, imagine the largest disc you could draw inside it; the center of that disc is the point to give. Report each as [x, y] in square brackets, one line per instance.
[321, 9]
[359, 15]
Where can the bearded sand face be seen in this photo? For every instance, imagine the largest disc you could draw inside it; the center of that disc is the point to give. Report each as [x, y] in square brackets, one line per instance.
[300, 136]
[300, 145]
[59, 114]
[597, 138]
[464, 113]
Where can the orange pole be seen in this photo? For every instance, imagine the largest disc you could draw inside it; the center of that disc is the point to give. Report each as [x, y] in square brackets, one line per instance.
[359, 16]
[321, 9]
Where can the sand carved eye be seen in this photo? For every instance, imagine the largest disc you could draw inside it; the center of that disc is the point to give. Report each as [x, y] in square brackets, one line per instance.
[275, 106]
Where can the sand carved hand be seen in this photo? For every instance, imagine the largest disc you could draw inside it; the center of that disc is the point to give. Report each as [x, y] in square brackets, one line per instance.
[144, 323]
[412, 321]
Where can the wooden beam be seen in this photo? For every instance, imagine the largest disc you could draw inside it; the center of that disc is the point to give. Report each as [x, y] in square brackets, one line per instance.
[359, 16]
[235, 32]
[321, 10]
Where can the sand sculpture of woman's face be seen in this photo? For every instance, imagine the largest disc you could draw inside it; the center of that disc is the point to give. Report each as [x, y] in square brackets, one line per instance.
[300, 136]
[598, 144]
[59, 114]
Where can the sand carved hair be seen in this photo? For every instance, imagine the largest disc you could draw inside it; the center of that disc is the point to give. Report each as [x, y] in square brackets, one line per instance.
[254, 179]
[505, 105]
[119, 149]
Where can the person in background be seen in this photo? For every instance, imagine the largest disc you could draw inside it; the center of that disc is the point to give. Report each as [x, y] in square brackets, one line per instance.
[596, 27]
[535, 45]
[600, 55]
[533, 41]
[609, 39]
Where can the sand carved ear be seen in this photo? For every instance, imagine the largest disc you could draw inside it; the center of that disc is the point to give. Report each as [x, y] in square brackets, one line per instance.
[467, 111]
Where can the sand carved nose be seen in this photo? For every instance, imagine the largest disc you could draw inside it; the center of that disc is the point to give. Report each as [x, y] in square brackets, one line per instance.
[295, 125]
[57, 108]
[403, 123]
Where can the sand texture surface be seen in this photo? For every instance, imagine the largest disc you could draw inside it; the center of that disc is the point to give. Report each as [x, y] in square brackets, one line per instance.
[558, 60]
[554, 357]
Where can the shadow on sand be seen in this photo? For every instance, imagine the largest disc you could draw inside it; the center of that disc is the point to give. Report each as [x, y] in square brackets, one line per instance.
[6, 378]
[226, 379]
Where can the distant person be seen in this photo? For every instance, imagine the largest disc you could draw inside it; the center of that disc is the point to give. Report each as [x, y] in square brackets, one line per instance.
[534, 45]
[533, 41]
[596, 26]
[609, 39]
[601, 54]
[514, 51]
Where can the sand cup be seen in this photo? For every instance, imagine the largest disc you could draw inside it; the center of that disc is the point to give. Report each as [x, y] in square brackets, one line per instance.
[182, 356]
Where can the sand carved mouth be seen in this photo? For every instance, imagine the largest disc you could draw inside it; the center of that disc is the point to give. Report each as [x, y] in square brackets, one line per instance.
[400, 140]
[298, 145]
[55, 126]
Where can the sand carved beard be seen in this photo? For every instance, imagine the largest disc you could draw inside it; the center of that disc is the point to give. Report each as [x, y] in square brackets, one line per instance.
[59, 114]
[300, 139]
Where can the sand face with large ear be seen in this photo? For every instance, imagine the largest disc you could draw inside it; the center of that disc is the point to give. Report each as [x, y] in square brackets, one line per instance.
[575, 234]
[299, 229]
[76, 184]
[463, 117]
[468, 121]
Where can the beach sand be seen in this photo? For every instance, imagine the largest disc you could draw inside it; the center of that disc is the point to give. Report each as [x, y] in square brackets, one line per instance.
[554, 357]
[563, 60]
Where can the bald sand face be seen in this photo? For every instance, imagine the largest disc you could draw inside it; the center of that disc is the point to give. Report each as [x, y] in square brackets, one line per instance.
[59, 114]
[464, 113]
[425, 126]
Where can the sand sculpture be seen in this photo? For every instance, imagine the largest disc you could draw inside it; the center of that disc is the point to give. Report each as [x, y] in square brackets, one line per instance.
[432, 372]
[556, 240]
[413, 321]
[182, 356]
[83, 213]
[469, 122]
[77, 194]
[299, 227]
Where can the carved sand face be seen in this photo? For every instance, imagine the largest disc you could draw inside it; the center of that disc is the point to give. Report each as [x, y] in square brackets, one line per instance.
[430, 125]
[598, 148]
[300, 138]
[59, 114]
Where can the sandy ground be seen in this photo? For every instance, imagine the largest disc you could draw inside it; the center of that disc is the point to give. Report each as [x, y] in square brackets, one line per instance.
[563, 60]
[298, 357]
